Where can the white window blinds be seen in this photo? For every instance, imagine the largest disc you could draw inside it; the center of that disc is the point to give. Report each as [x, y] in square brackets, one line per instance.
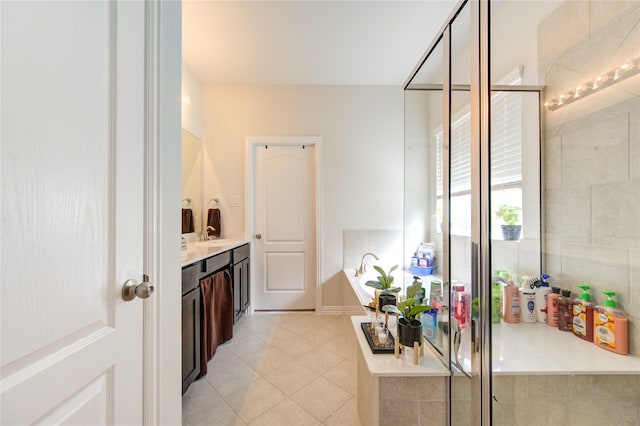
[506, 145]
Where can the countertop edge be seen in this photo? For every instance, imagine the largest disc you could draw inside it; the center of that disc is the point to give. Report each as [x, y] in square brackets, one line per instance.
[201, 253]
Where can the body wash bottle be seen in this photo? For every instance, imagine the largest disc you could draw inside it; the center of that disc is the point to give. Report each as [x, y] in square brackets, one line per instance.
[583, 314]
[552, 307]
[565, 311]
[611, 326]
[511, 303]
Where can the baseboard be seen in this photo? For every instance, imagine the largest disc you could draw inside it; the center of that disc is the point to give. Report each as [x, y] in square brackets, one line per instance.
[342, 310]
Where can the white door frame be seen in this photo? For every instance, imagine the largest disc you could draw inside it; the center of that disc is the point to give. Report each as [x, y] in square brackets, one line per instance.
[162, 376]
[251, 144]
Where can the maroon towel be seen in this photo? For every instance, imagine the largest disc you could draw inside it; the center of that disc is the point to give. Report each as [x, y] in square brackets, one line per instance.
[187, 221]
[217, 315]
[213, 219]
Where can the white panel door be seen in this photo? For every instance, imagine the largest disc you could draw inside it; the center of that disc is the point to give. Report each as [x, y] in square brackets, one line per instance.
[72, 211]
[284, 261]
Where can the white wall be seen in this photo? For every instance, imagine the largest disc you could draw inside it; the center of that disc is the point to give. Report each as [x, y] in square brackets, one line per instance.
[191, 102]
[362, 151]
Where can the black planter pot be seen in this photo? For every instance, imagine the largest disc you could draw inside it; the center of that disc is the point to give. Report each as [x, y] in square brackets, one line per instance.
[511, 232]
[386, 299]
[409, 332]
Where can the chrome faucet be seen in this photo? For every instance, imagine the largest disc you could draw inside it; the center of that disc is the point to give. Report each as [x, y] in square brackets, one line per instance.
[363, 266]
[205, 234]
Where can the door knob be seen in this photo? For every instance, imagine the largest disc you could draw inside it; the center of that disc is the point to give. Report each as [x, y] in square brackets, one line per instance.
[258, 236]
[131, 289]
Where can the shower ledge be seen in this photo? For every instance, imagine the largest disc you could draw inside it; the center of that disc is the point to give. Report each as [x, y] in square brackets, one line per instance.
[518, 349]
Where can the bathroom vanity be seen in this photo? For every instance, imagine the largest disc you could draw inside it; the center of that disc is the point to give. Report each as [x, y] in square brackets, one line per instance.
[199, 261]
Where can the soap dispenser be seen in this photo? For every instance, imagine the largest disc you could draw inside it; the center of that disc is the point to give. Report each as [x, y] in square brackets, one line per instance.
[611, 326]
[583, 314]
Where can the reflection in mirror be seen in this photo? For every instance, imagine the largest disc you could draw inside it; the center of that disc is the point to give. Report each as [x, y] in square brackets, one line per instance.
[191, 181]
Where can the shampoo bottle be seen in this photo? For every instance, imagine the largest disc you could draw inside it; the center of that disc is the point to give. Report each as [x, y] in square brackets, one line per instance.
[528, 304]
[583, 314]
[552, 307]
[527, 301]
[611, 326]
[511, 303]
[542, 299]
[565, 311]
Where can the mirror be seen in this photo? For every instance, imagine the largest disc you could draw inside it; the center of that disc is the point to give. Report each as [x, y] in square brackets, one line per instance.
[192, 181]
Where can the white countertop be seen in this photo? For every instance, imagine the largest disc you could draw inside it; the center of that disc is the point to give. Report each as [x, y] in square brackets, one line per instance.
[387, 365]
[196, 251]
[521, 349]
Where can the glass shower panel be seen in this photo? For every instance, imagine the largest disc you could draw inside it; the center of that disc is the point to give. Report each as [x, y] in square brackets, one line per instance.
[460, 217]
[585, 58]
[423, 190]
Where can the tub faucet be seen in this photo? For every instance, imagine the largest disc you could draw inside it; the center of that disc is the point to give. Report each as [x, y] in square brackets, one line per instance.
[363, 266]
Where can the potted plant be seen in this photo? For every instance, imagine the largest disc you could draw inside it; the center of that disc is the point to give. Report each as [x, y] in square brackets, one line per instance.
[387, 294]
[409, 324]
[510, 216]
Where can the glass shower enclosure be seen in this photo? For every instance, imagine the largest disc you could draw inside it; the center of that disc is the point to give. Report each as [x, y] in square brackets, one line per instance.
[516, 145]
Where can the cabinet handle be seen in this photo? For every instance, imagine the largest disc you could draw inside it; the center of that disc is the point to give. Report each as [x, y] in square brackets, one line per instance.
[258, 236]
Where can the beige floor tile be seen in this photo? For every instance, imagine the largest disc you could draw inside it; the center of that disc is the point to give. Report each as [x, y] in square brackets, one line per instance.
[228, 380]
[254, 399]
[344, 375]
[265, 361]
[321, 398]
[319, 335]
[294, 346]
[201, 405]
[199, 395]
[247, 344]
[285, 413]
[320, 360]
[347, 415]
[291, 377]
[275, 335]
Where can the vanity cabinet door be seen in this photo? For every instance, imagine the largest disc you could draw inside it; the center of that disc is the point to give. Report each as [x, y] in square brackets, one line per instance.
[237, 291]
[244, 286]
[190, 337]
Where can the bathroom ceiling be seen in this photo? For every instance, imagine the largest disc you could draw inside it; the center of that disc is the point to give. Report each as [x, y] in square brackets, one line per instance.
[308, 42]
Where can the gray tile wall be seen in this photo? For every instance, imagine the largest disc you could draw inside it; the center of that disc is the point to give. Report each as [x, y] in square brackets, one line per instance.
[592, 153]
[567, 400]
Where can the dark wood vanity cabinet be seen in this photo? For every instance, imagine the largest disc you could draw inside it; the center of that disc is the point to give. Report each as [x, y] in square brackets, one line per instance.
[241, 281]
[192, 311]
[191, 320]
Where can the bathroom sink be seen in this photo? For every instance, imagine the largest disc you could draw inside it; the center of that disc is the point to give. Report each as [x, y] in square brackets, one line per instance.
[216, 243]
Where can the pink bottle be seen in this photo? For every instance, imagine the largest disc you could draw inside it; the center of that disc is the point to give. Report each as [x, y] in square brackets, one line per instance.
[552, 307]
[511, 303]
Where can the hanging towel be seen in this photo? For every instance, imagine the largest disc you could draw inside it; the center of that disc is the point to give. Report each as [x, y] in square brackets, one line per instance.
[187, 221]
[217, 315]
[213, 219]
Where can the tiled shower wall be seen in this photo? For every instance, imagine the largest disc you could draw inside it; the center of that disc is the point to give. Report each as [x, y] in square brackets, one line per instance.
[592, 153]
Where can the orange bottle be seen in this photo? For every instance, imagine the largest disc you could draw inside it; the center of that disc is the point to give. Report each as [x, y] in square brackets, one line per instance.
[611, 326]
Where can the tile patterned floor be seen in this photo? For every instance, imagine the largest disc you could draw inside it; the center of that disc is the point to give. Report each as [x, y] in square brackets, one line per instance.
[280, 369]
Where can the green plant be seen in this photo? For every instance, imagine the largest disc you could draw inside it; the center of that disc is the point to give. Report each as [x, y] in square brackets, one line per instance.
[385, 280]
[409, 309]
[509, 214]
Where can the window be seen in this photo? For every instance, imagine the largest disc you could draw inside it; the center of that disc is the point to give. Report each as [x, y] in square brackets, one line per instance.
[506, 160]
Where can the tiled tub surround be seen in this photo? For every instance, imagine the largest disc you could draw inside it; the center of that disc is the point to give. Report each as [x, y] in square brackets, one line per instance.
[394, 391]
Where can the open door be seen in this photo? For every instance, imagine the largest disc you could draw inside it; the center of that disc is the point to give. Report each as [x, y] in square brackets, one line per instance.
[73, 105]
